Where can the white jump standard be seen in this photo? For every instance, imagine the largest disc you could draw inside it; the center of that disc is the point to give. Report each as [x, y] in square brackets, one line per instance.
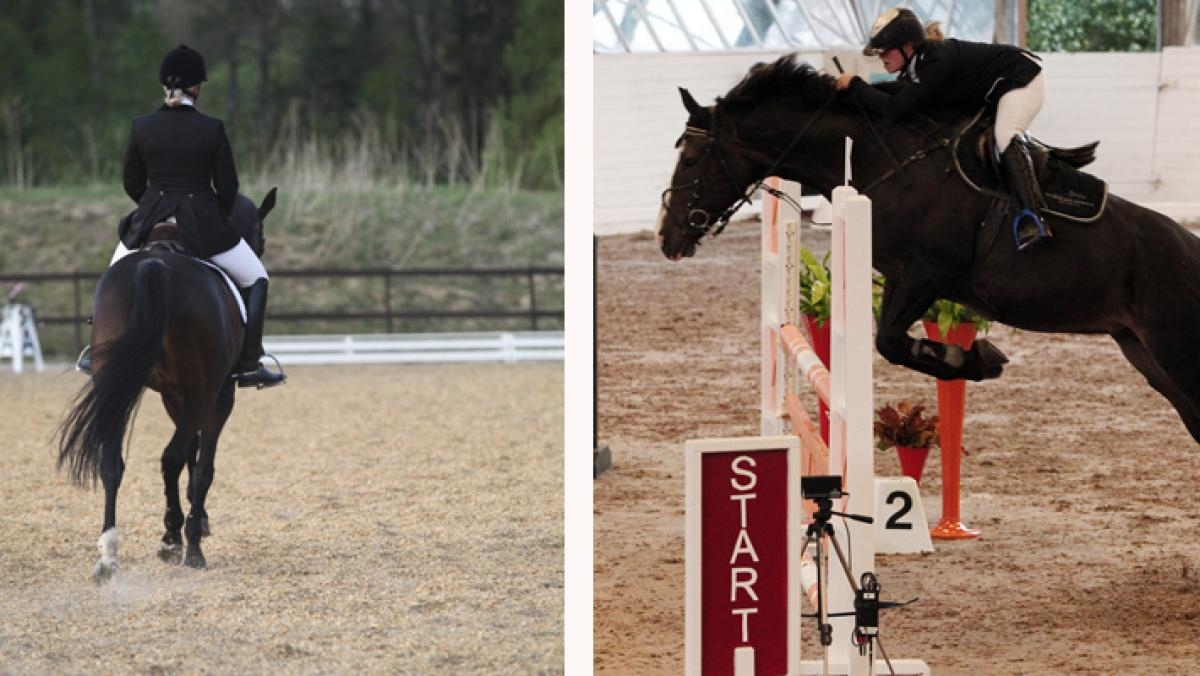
[725, 525]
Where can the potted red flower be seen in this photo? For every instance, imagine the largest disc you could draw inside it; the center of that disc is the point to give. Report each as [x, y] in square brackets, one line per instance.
[906, 427]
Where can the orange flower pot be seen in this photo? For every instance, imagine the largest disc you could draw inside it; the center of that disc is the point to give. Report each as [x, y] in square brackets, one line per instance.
[912, 461]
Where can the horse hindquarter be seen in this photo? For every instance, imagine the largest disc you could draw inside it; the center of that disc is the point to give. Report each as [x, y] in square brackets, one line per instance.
[91, 436]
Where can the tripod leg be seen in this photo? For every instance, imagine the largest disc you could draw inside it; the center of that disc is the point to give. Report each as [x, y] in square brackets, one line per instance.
[854, 586]
[845, 565]
[808, 539]
[884, 655]
[824, 629]
[822, 616]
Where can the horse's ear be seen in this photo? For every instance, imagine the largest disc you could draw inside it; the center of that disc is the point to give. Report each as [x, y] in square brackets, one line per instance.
[267, 205]
[688, 101]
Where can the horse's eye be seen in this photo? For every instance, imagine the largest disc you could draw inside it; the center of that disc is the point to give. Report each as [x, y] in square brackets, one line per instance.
[689, 161]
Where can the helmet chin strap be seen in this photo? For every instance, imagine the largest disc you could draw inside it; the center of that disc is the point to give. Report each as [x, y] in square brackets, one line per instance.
[908, 58]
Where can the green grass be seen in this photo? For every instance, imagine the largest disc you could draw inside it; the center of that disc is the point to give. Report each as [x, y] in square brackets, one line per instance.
[349, 225]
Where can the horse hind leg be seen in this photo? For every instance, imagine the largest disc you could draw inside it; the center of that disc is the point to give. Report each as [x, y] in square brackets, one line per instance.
[1182, 389]
[106, 566]
[183, 444]
[201, 476]
[112, 468]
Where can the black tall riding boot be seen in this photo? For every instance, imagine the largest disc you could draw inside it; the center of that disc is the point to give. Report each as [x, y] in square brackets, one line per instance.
[250, 373]
[1028, 226]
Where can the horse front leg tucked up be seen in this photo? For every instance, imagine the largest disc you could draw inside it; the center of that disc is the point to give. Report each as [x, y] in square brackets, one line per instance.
[905, 300]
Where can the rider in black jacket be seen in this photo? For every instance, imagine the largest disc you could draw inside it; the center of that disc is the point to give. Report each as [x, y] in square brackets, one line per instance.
[963, 76]
[179, 164]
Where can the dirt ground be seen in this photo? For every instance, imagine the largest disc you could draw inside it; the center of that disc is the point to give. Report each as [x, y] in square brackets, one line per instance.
[382, 519]
[1081, 477]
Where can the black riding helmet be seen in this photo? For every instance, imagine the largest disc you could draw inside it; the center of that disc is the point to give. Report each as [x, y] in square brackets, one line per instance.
[893, 29]
[182, 67]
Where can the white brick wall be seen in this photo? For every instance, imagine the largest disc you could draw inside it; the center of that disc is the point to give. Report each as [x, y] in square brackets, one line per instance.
[638, 116]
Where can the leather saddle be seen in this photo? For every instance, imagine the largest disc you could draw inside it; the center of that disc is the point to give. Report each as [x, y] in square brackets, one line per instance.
[165, 236]
[1068, 192]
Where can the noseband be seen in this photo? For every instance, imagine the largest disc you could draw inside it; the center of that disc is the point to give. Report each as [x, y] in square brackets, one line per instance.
[702, 221]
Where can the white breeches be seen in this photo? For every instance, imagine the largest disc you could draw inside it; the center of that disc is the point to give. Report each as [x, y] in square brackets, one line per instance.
[239, 262]
[1016, 110]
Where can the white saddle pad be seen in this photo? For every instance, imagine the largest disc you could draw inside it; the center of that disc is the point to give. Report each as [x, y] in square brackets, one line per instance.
[237, 295]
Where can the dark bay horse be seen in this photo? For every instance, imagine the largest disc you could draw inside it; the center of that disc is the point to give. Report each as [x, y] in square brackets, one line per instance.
[167, 322]
[1133, 273]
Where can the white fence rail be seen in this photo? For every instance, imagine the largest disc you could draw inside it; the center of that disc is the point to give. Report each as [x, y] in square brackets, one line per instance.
[417, 348]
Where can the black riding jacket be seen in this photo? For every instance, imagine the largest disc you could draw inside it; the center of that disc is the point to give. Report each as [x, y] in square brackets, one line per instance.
[953, 75]
[179, 163]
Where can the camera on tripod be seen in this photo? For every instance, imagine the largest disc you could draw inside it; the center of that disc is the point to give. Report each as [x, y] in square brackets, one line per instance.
[821, 487]
[824, 489]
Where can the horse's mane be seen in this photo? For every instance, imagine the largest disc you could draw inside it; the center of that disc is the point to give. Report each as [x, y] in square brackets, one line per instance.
[801, 84]
[785, 78]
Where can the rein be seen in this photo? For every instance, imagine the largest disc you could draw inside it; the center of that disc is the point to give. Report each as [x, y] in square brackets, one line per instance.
[948, 142]
[917, 156]
[703, 221]
[898, 165]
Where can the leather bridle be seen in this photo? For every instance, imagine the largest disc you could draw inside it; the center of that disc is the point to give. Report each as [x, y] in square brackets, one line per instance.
[702, 221]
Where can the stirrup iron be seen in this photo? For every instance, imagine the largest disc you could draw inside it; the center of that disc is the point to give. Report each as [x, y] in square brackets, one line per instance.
[83, 363]
[1039, 225]
[261, 385]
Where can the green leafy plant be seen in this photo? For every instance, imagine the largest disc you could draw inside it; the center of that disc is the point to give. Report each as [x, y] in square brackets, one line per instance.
[815, 281]
[814, 286]
[876, 296]
[949, 315]
[905, 425]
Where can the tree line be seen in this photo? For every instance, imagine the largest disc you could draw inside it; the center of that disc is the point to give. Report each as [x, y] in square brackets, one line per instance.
[1096, 25]
[453, 91]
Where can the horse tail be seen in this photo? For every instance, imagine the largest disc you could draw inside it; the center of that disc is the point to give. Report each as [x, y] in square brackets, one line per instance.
[94, 428]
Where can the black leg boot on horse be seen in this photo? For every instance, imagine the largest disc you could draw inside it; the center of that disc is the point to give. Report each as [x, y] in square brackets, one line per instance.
[251, 373]
[1028, 226]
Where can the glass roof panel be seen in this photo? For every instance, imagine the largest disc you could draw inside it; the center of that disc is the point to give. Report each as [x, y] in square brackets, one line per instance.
[707, 25]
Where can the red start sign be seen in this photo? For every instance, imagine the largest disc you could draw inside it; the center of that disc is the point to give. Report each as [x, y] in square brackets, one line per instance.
[743, 555]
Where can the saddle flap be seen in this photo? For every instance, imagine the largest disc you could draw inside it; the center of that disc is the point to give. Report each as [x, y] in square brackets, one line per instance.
[1068, 192]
